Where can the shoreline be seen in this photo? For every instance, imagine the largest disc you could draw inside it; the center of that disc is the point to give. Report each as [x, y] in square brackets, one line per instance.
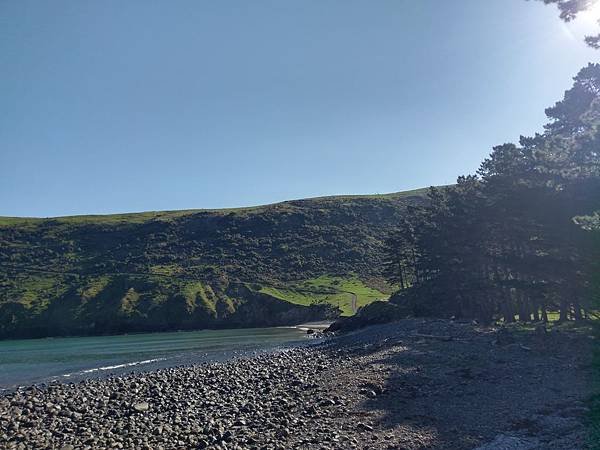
[137, 367]
[42, 362]
[384, 387]
[319, 326]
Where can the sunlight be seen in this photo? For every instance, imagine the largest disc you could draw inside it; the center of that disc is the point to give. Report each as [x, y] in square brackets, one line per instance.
[590, 16]
[586, 23]
[207, 239]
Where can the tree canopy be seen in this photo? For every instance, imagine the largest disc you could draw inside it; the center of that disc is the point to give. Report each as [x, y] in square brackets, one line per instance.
[510, 240]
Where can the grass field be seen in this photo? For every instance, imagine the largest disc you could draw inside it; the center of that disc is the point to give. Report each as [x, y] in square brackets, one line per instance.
[336, 291]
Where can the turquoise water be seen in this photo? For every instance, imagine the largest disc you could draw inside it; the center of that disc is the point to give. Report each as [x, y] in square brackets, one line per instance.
[26, 362]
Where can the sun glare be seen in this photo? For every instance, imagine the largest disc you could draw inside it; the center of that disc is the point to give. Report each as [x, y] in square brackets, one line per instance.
[586, 23]
[590, 16]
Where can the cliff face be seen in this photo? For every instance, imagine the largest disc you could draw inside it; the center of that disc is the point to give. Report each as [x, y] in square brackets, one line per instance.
[187, 269]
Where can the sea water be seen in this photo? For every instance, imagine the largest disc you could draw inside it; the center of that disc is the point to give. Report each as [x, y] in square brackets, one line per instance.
[33, 361]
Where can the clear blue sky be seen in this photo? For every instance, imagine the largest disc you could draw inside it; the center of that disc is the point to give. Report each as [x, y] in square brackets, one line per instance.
[115, 106]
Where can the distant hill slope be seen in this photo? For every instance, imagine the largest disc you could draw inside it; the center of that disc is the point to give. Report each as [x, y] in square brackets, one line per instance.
[265, 265]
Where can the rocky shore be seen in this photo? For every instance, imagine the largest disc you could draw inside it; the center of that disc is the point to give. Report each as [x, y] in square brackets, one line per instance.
[414, 384]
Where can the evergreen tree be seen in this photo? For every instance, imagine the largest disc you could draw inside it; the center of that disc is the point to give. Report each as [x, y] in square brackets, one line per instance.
[505, 242]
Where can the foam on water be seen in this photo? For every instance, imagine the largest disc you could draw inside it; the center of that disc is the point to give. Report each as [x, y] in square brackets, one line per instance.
[120, 366]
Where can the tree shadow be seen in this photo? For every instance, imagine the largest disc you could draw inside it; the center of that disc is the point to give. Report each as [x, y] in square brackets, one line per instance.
[468, 389]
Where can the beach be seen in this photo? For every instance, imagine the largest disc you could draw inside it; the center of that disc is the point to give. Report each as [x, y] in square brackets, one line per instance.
[414, 384]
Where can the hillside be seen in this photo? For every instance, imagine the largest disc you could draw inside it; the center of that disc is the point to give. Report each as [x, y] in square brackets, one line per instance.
[267, 265]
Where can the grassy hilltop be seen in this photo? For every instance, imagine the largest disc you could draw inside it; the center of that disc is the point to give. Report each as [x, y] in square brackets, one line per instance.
[265, 265]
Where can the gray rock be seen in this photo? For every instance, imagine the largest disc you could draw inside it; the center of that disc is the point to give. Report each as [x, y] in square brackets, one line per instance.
[141, 406]
[364, 427]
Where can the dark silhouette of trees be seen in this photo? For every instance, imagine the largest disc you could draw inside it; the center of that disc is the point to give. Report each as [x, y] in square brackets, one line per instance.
[510, 241]
[569, 9]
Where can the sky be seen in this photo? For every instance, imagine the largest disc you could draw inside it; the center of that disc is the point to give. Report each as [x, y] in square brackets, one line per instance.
[121, 106]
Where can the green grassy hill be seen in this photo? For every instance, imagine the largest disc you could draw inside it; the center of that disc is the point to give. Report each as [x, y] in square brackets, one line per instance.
[266, 265]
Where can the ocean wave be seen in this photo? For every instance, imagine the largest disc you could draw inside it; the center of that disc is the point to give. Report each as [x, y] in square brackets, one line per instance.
[116, 366]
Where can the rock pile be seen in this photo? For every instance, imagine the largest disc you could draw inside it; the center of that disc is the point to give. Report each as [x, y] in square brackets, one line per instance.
[246, 403]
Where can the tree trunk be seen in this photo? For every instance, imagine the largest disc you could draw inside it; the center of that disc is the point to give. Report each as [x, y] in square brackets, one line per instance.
[414, 258]
[577, 312]
[564, 311]
[507, 310]
[524, 313]
[401, 273]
